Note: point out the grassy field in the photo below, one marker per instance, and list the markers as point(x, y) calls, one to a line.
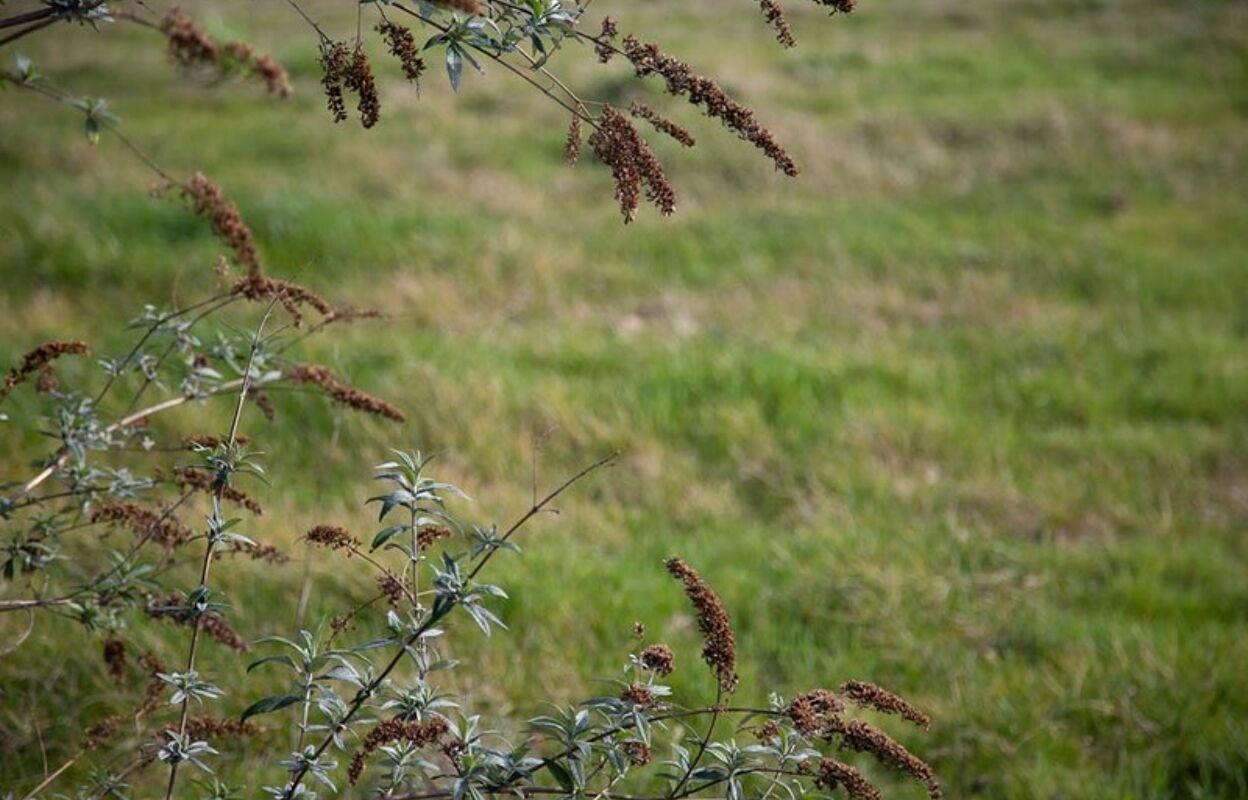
point(962, 410)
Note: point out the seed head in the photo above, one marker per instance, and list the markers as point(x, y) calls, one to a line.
point(618, 145)
point(431, 534)
point(861, 737)
point(391, 589)
point(341, 393)
point(648, 59)
point(257, 287)
point(659, 659)
point(163, 529)
point(198, 480)
point(419, 734)
point(209, 202)
point(603, 44)
point(868, 695)
point(403, 47)
point(332, 537)
point(661, 123)
point(39, 358)
point(813, 711)
point(359, 79)
point(834, 774)
point(774, 13)
point(720, 649)
point(334, 60)
point(572, 149)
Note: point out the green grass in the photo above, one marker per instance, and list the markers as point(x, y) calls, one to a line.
point(962, 410)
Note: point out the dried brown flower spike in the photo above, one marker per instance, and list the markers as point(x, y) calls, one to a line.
point(661, 123)
point(165, 530)
point(834, 774)
point(39, 358)
point(774, 13)
point(572, 149)
point(602, 45)
point(403, 47)
point(618, 145)
point(720, 649)
point(359, 79)
point(334, 56)
point(861, 737)
point(418, 734)
point(868, 695)
point(332, 536)
point(341, 393)
point(648, 59)
point(191, 46)
point(210, 203)
point(813, 712)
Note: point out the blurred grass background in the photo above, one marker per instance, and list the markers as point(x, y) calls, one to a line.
point(961, 410)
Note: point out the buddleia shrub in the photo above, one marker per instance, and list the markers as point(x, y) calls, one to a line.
point(130, 490)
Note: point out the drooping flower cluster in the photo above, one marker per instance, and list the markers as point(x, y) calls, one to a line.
point(402, 45)
point(661, 123)
point(835, 775)
point(38, 360)
point(861, 737)
point(868, 695)
point(812, 712)
point(334, 59)
point(603, 46)
point(343, 394)
point(333, 537)
point(648, 59)
point(720, 648)
point(210, 203)
point(359, 79)
point(198, 480)
point(258, 287)
point(572, 148)
point(774, 13)
point(164, 529)
point(344, 69)
point(618, 145)
point(191, 46)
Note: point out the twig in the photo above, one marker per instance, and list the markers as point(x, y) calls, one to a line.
point(211, 544)
point(435, 615)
